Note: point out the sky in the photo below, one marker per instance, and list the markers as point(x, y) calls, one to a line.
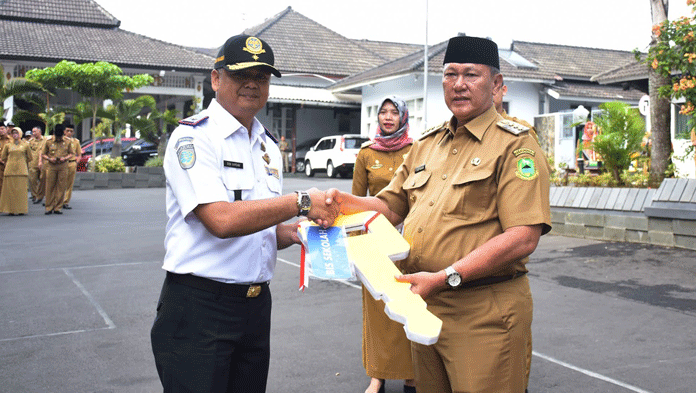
point(608, 24)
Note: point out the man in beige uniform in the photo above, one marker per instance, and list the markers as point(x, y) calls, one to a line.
point(473, 194)
point(35, 183)
point(56, 153)
point(72, 163)
point(4, 139)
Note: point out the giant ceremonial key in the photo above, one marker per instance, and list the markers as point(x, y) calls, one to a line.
point(371, 253)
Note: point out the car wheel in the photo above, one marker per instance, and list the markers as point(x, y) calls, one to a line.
point(330, 170)
point(346, 174)
point(308, 169)
point(299, 166)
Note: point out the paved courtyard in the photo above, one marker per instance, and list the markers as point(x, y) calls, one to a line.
point(78, 291)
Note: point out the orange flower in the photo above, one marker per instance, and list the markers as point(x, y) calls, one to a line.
point(687, 108)
point(690, 57)
point(657, 29)
point(655, 64)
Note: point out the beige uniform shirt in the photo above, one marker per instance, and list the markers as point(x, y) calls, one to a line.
point(35, 145)
point(57, 149)
point(16, 158)
point(460, 187)
point(374, 169)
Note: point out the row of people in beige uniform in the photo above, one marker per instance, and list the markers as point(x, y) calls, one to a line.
point(45, 166)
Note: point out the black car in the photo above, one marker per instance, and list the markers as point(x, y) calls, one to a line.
point(138, 152)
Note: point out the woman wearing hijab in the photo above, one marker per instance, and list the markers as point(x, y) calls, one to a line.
point(16, 157)
point(386, 350)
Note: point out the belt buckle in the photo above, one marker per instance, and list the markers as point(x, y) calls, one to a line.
point(253, 291)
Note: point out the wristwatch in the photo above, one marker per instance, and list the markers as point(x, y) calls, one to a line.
point(304, 203)
point(454, 279)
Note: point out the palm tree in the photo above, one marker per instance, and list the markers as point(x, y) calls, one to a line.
point(124, 112)
point(15, 86)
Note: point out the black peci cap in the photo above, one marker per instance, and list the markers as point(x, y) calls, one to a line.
point(244, 51)
point(475, 50)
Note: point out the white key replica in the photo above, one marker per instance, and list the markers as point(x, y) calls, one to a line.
point(371, 254)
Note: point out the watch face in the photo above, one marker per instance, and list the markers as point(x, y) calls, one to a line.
point(306, 201)
point(454, 279)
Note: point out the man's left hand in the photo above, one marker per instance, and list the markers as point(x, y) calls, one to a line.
point(423, 283)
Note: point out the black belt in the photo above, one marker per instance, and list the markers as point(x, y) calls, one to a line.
point(217, 287)
point(72, 161)
point(489, 280)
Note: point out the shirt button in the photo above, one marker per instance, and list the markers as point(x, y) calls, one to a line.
point(444, 177)
point(413, 197)
point(420, 230)
point(391, 169)
point(454, 151)
point(431, 203)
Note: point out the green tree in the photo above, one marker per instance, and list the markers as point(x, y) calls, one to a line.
point(94, 81)
point(131, 111)
point(621, 130)
point(671, 60)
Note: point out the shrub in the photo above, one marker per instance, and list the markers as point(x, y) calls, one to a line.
point(155, 162)
point(621, 133)
point(108, 164)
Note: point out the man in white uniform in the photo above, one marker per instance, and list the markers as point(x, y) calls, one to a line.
point(226, 222)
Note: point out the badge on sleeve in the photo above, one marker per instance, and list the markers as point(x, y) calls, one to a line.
point(526, 169)
point(185, 152)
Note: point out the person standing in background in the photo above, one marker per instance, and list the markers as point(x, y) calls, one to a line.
point(36, 183)
point(386, 350)
point(16, 157)
point(4, 139)
point(72, 163)
point(56, 153)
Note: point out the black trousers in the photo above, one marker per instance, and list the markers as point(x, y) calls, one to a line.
point(207, 342)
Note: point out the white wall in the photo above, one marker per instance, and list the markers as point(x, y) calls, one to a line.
point(523, 99)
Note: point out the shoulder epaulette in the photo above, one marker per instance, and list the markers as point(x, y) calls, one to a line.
point(194, 120)
point(512, 127)
point(433, 131)
point(268, 134)
point(366, 144)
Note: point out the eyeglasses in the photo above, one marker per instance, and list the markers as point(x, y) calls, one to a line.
point(257, 76)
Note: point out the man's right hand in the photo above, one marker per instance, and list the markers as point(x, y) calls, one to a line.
point(322, 213)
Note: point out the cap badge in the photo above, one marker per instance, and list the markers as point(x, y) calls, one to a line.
point(254, 46)
point(267, 158)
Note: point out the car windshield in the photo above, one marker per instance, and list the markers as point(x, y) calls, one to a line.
point(354, 143)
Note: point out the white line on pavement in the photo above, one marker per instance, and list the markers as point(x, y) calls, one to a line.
point(537, 354)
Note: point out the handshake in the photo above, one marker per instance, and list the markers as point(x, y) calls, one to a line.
point(327, 205)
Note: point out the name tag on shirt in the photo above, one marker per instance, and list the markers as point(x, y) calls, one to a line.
point(419, 169)
point(232, 164)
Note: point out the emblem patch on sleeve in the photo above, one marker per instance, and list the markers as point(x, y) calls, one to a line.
point(526, 169)
point(185, 152)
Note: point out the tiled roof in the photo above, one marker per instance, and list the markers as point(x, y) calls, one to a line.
point(389, 50)
point(436, 55)
point(77, 12)
point(631, 71)
point(55, 42)
point(570, 90)
point(571, 62)
point(308, 47)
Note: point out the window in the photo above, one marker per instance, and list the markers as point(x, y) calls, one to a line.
point(283, 121)
point(681, 125)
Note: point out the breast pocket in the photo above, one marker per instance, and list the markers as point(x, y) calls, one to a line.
point(238, 184)
point(472, 195)
point(415, 186)
point(273, 185)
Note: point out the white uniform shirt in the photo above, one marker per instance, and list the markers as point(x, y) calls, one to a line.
point(206, 163)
